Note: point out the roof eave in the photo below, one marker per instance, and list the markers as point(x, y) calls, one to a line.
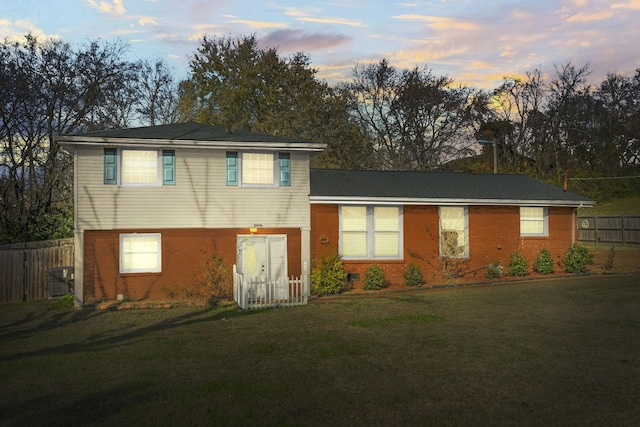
point(345, 200)
point(178, 143)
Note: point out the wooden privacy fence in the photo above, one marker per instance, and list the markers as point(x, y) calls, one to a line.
point(623, 230)
point(257, 293)
point(25, 268)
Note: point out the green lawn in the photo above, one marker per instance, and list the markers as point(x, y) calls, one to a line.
point(556, 352)
point(621, 206)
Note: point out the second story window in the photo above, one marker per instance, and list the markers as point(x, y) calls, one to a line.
point(258, 169)
point(139, 167)
point(143, 168)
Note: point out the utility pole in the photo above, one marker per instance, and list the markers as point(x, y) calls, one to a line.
point(495, 155)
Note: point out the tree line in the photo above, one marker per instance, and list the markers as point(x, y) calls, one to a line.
point(382, 118)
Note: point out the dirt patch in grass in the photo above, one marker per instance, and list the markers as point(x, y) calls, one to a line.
point(615, 259)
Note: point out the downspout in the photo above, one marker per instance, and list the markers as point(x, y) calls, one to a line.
point(574, 225)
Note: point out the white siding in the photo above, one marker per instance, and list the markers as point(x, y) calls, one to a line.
point(200, 198)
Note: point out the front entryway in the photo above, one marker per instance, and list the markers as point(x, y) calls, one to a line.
point(263, 258)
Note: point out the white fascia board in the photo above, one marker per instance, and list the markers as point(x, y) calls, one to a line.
point(177, 143)
point(444, 202)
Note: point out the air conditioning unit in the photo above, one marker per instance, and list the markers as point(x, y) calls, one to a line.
point(60, 280)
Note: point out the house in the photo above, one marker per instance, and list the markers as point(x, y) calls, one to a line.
point(153, 204)
point(437, 221)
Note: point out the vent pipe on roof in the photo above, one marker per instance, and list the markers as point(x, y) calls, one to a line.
point(229, 128)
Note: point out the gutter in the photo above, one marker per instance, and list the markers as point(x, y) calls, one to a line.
point(441, 201)
point(181, 143)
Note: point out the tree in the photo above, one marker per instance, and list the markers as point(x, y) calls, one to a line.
point(567, 125)
point(47, 89)
point(617, 118)
point(156, 93)
point(415, 119)
point(236, 83)
point(551, 121)
point(518, 106)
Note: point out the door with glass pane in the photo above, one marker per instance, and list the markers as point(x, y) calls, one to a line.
point(263, 260)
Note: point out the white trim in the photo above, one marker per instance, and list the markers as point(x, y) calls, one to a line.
point(178, 143)
point(353, 200)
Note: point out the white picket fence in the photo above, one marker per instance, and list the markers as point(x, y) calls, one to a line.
point(252, 293)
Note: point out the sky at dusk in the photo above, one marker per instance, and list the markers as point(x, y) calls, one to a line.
point(475, 42)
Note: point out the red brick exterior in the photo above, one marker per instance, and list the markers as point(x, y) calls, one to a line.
point(494, 234)
point(184, 252)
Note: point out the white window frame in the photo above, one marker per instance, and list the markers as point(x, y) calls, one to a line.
point(446, 228)
point(242, 165)
point(157, 268)
point(537, 215)
point(121, 168)
point(370, 233)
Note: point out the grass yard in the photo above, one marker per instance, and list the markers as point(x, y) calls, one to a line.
point(554, 352)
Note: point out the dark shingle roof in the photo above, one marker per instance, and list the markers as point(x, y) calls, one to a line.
point(185, 134)
point(187, 131)
point(438, 187)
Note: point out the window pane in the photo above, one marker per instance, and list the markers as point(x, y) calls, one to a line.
point(354, 244)
point(257, 168)
point(386, 244)
point(139, 167)
point(386, 219)
point(354, 218)
point(140, 261)
point(452, 218)
point(532, 213)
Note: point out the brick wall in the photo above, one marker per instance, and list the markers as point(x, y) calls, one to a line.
point(494, 234)
point(184, 252)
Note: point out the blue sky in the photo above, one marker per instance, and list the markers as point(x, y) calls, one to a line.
point(475, 42)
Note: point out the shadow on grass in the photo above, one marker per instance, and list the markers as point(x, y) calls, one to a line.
point(92, 409)
point(106, 339)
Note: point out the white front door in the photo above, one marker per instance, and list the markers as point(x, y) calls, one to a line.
point(264, 258)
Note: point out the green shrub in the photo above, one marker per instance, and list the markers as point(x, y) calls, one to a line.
point(62, 303)
point(543, 263)
point(413, 276)
point(518, 265)
point(494, 270)
point(329, 276)
point(374, 278)
point(577, 258)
